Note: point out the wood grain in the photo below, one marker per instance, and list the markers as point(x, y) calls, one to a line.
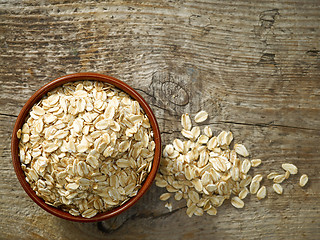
point(253, 65)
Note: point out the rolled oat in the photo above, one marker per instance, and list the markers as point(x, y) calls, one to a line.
point(86, 147)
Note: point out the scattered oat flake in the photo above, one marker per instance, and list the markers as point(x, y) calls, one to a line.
point(201, 116)
point(241, 150)
point(243, 194)
point(279, 178)
point(272, 175)
point(237, 202)
point(212, 211)
point(257, 178)
point(161, 183)
point(191, 210)
point(203, 139)
point(207, 131)
point(165, 196)
point(290, 167)
point(254, 186)
point(186, 122)
point(194, 196)
point(221, 138)
point(287, 175)
point(255, 162)
point(303, 180)
point(198, 211)
point(196, 132)
point(178, 196)
point(245, 166)
point(277, 188)
point(169, 149)
point(178, 145)
point(228, 138)
point(262, 193)
point(245, 182)
point(187, 134)
point(169, 206)
point(212, 143)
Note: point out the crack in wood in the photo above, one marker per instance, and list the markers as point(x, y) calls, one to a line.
point(8, 115)
point(267, 18)
point(145, 92)
point(271, 124)
point(168, 213)
point(114, 226)
point(265, 125)
point(168, 119)
point(162, 108)
point(267, 58)
point(169, 132)
point(153, 216)
point(313, 52)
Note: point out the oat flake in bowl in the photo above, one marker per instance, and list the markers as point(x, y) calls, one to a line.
point(86, 147)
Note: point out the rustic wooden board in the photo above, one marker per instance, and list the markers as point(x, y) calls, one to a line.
point(253, 65)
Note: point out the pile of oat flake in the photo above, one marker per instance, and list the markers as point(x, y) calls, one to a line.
point(204, 170)
point(86, 147)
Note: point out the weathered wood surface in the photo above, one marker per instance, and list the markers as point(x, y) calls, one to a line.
point(253, 65)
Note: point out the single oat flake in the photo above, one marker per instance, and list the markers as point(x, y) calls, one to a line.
point(237, 202)
point(303, 180)
point(186, 122)
point(169, 206)
point(201, 116)
point(255, 162)
point(254, 186)
point(243, 194)
point(290, 168)
point(279, 178)
point(277, 188)
point(262, 193)
point(272, 175)
point(241, 150)
point(257, 178)
point(165, 196)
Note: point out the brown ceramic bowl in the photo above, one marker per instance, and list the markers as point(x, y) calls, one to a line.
point(36, 98)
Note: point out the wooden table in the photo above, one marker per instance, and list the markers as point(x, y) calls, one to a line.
point(254, 66)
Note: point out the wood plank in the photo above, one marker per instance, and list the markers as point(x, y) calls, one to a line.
point(253, 65)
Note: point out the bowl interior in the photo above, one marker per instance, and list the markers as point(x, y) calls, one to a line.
point(37, 96)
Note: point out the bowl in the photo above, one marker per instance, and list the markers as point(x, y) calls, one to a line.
point(36, 97)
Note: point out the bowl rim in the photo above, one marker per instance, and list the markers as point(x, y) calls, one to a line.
point(39, 94)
